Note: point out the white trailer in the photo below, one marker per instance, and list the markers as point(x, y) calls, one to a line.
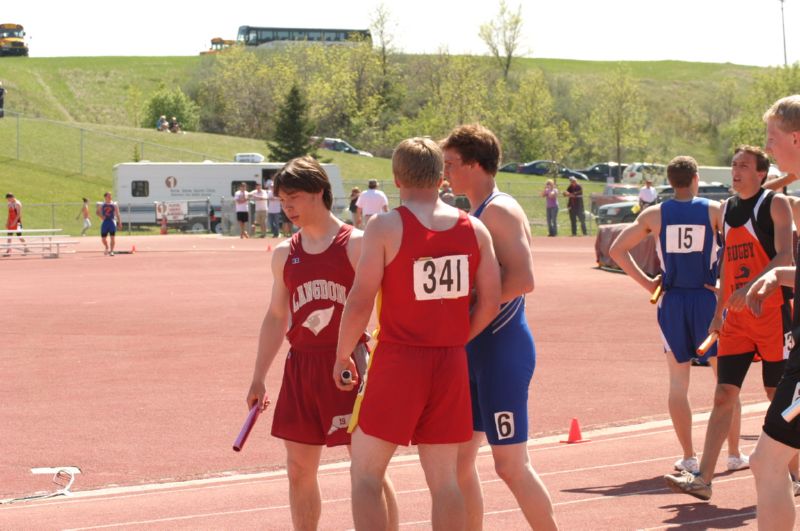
point(718, 174)
point(204, 186)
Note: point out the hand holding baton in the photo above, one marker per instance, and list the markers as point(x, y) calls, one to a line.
point(656, 294)
point(707, 343)
point(249, 422)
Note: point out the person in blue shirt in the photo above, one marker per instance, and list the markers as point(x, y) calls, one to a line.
point(108, 211)
point(686, 227)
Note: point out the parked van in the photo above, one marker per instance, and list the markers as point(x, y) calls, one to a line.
point(204, 186)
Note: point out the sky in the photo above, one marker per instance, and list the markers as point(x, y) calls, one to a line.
point(735, 31)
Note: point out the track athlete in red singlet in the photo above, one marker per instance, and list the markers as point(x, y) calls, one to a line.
point(313, 273)
point(14, 222)
point(757, 227)
point(425, 257)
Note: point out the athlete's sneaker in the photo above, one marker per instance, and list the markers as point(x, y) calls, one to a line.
point(688, 483)
point(690, 465)
point(111, 253)
point(738, 463)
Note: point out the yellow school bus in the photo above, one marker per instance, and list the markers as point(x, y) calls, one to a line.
point(12, 40)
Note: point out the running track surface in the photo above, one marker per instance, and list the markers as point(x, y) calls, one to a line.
point(135, 367)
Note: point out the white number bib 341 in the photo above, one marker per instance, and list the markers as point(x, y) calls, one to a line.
point(685, 238)
point(446, 277)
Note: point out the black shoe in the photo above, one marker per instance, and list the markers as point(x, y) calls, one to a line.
point(697, 362)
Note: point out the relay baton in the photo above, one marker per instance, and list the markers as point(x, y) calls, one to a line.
point(792, 411)
point(656, 294)
point(252, 417)
point(347, 377)
point(707, 343)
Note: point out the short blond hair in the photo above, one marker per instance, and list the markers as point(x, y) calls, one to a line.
point(787, 112)
point(418, 163)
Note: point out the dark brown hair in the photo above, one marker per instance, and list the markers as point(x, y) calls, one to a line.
point(304, 174)
point(762, 160)
point(681, 170)
point(475, 144)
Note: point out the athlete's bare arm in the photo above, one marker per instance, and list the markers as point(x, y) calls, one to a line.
point(779, 182)
point(487, 283)
point(273, 327)
point(511, 237)
point(647, 223)
point(116, 213)
point(781, 214)
point(766, 284)
point(369, 274)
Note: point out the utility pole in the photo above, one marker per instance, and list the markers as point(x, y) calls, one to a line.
point(783, 25)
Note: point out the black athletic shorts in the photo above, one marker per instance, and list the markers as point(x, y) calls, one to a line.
point(243, 217)
point(732, 369)
point(775, 426)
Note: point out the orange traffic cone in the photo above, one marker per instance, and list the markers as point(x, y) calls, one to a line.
point(133, 250)
point(575, 433)
point(269, 248)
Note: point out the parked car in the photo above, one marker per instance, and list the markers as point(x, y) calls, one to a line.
point(549, 167)
point(509, 167)
point(625, 211)
point(603, 170)
point(636, 172)
point(337, 144)
point(716, 191)
point(614, 193)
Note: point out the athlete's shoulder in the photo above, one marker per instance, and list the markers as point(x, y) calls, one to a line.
point(502, 208)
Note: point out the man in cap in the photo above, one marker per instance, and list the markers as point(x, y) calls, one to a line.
point(575, 206)
point(647, 194)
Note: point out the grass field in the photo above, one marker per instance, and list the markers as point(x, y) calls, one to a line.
point(81, 118)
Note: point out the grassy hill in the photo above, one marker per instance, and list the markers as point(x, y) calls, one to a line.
point(81, 117)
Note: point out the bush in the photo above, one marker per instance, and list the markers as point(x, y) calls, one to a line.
point(171, 103)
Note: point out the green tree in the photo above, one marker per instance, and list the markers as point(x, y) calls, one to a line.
point(617, 121)
point(171, 103)
point(775, 83)
point(293, 129)
point(502, 35)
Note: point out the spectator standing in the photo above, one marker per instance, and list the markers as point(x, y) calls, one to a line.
point(242, 201)
point(575, 206)
point(353, 208)
point(371, 201)
point(647, 194)
point(273, 210)
point(550, 194)
point(2, 96)
point(260, 197)
point(14, 222)
point(84, 213)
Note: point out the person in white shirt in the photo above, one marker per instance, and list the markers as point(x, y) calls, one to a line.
point(242, 209)
point(647, 194)
point(273, 211)
point(371, 201)
point(260, 197)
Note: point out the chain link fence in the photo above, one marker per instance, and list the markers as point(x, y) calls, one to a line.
point(75, 149)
